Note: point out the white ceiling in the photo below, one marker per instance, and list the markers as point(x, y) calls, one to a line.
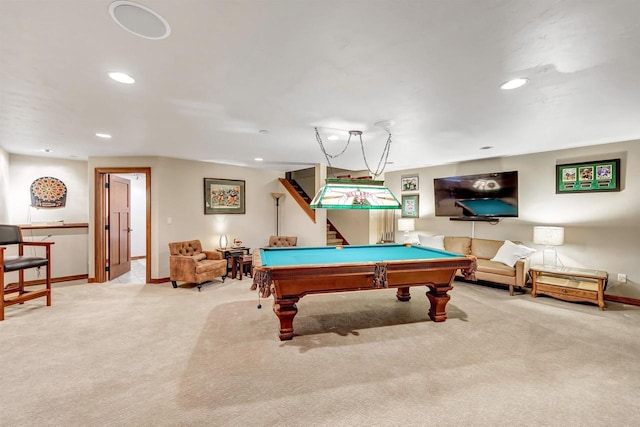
point(232, 68)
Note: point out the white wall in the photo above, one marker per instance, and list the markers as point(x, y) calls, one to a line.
point(295, 222)
point(4, 186)
point(602, 230)
point(177, 192)
point(68, 253)
point(24, 170)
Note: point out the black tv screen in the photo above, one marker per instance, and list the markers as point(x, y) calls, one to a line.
point(489, 195)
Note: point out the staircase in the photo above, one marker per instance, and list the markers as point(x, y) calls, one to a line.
point(333, 235)
point(299, 190)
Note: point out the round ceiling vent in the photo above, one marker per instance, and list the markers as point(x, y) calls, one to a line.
point(139, 20)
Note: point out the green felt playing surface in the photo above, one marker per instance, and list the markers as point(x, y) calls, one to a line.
point(321, 255)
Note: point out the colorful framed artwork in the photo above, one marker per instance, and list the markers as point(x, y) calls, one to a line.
point(588, 177)
point(224, 196)
point(409, 183)
point(411, 206)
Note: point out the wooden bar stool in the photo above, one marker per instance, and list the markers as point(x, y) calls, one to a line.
point(242, 264)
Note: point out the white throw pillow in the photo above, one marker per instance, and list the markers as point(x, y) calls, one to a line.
point(435, 242)
point(509, 253)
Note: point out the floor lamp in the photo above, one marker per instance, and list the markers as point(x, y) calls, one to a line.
point(550, 237)
point(277, 196)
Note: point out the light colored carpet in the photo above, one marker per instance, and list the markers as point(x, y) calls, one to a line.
point(143, 355)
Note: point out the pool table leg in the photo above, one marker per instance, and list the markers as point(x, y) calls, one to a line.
point(439, 298)
point(403, 294)
point(286, 310)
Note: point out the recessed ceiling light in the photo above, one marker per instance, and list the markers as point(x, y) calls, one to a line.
point(139, 20)
point(384, 124)
point(333, 137)
point(263, 131)
point(47, 150)
point(258, 159)
point(122, 77)
point(487, 147)
point(514, 83)
point(103, 135)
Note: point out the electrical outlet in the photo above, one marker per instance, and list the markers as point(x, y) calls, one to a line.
point(622, 278)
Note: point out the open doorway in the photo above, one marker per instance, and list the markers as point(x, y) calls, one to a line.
point(110, 219)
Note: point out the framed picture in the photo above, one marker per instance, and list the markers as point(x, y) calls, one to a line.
point(224, 196)
point(409, 183)
point(588, 177)
point(410, 206)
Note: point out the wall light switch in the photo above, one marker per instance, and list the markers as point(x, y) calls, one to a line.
point(622, 278)
point(169, 220)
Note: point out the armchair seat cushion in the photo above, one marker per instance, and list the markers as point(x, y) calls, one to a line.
point(210, 265)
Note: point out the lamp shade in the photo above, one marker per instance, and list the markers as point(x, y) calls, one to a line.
point(224, 241)
point(406, 224)
point(550, 236)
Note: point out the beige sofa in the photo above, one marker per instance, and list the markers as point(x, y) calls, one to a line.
point(490, 271)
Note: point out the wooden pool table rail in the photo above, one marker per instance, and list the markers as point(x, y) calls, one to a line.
point(290, 283)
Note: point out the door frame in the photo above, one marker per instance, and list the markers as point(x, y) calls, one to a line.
point(100, 220)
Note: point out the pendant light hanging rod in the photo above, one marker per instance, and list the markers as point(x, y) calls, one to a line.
point(382, 163)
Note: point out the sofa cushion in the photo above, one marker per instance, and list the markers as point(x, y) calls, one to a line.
point(510, 253)
point(487, 266)
point(485, 248)
point(459, 245)
point(435, 242)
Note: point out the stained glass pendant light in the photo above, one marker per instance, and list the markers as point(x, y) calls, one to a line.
point(339, 193)
point(342, 193)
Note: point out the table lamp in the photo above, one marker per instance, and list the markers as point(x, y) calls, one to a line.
point(406, 225)
point(550, 237)
point(224, 241)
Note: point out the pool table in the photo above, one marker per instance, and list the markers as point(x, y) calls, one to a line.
point(487, 207)
point(293, 272)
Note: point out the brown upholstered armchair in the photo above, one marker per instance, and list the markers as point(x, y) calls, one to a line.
point(283, 241)
point(189, 263)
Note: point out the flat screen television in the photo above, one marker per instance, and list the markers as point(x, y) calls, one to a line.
point(477, 197)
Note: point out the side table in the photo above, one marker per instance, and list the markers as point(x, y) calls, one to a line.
point(228, 253)
point(241, 265)
point(569, 283)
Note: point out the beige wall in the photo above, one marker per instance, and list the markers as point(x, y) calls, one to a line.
point(23, 170)
point(177, 193)
point(68, 253)
point(4, 186)
point(602, 230)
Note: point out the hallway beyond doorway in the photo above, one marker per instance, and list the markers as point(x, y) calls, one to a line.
point(137, 274)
